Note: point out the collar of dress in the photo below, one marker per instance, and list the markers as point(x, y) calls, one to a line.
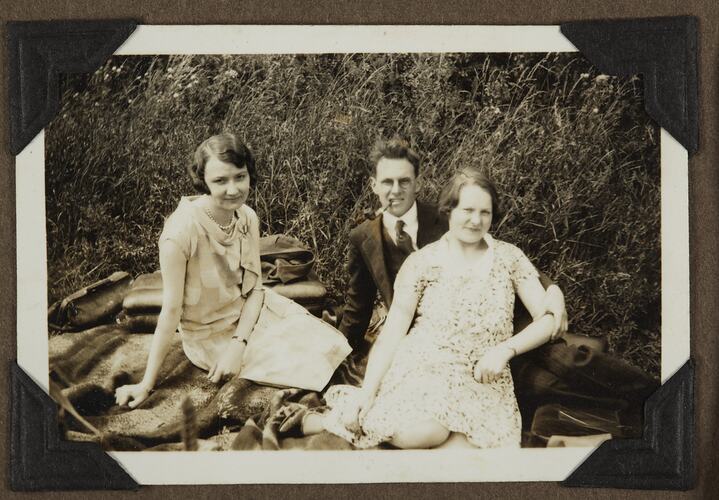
point(237, 246)
point(481, 268)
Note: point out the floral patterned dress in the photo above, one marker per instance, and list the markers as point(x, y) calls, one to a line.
point(460, 314)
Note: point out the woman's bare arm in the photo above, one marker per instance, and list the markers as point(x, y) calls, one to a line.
point(494, 360)
point(399, 319)
point(253, 304)
point(250, 313)
point(172, 265)
point(553, 303)
point(230, 363)
point(532, 295)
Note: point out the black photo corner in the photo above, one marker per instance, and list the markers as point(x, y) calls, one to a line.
point(663, 50)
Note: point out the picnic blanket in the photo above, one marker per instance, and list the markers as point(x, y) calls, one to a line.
point(571, 388)
point(186, 410)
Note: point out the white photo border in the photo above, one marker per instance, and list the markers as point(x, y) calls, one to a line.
point(357, 466)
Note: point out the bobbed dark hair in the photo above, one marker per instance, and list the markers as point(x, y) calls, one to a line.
point(225, 147)
point(395, 148)
point(471, 176)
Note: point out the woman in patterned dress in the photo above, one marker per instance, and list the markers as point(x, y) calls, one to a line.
point(212, 281)
point(438, 373)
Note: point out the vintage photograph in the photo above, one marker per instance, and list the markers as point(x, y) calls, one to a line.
point(352, 251)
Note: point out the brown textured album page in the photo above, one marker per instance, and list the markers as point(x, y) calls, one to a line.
point(703, 205)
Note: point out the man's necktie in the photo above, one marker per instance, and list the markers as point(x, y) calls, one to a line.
point(404, 242)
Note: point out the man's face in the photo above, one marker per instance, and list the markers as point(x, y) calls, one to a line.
point(395, 184)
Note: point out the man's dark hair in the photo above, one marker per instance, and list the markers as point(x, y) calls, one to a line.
point(395, 148)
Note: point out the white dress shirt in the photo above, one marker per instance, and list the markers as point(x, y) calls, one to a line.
point(410, 224)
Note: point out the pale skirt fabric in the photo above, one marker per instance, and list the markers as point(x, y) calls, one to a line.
point(288, 347)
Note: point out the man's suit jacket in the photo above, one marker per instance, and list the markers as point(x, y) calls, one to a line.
point(368, 270)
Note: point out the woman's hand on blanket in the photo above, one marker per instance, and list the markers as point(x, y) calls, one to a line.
point(356, 410)
point(229, 363)
point(491, 364)
point(132, 395)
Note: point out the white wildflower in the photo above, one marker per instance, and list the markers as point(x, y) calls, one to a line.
point(601, 78)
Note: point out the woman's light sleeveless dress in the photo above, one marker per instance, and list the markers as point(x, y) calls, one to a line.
point(222, 269)
point(460, 314)
point(287, 347)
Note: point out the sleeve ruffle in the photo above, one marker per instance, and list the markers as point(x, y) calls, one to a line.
point(520, 268)
point(250, 257)
point(179, 229)
point(411, 279)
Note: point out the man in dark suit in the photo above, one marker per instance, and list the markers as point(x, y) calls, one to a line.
point(379, 245)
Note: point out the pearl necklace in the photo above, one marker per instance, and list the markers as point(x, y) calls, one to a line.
point(225, 229)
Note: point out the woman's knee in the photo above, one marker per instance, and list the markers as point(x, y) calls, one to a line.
point(427, 434)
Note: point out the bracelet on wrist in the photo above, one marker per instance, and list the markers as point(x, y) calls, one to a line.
point(237, 337)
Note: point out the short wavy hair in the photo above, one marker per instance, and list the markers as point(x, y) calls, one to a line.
point(225, 147)
point(449, 198)
point(395, 148)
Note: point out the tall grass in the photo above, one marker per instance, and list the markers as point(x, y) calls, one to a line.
point(572, 151)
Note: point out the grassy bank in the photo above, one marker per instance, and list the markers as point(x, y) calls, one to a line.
point(572, 151)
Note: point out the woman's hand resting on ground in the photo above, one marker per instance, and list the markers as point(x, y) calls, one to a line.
point(229, 363)
point(492, 363)
point(132, 395)
point(356, 410)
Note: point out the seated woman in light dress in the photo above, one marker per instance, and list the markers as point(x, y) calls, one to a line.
point(438, 374)
point(212, 283)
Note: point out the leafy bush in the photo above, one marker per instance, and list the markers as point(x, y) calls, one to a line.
point(573, 152)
